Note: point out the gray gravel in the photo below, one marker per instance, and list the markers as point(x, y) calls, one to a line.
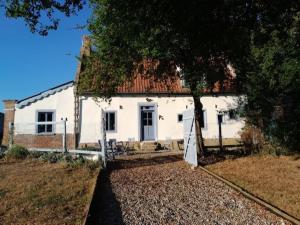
point(171, 193)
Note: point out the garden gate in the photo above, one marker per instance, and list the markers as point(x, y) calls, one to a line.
point(190, 147)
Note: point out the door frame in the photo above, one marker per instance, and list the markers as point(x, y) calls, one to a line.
point(155, 120)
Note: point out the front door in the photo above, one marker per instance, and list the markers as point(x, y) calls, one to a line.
point(147, 123)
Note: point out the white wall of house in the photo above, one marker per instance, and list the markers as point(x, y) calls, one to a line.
point(128, 116)
point(168, 108)
point(62, 103)
point(215, 105)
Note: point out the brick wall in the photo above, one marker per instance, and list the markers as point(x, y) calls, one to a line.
point(9, 116)
point(43, 141)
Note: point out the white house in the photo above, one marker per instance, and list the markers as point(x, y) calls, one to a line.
point(145, 111)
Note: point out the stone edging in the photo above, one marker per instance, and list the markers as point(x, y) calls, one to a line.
point(258, 200)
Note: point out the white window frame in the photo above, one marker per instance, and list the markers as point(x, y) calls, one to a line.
point(46, 122)
point(116, 123)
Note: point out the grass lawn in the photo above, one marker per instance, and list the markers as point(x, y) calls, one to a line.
point(37, 192)
point(274, 179)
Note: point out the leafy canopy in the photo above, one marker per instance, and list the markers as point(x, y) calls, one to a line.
point(200, 37)
point(271, 76)
point(36, 11)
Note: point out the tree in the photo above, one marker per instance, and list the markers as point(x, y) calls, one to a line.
point(270, 75)
point(41, 15)
point(200, 37)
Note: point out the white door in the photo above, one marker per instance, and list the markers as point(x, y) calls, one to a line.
point(190, 147)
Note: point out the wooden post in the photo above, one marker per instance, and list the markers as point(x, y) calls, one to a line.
point(103, 141)
point(11, 134)
point(64, 136)
point(220, 119)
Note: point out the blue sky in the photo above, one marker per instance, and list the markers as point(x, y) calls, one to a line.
point(30, 63)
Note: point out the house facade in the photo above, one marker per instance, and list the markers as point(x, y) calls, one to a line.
point(142, 112)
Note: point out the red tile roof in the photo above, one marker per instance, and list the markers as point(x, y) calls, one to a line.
point(141, 85)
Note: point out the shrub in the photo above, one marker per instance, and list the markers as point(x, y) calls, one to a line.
point(17, 152)
point(52, 157)
point(36, 155)
point(92, 165)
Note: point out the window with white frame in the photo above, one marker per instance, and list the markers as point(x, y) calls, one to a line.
point(110, 121)
point(45, 123)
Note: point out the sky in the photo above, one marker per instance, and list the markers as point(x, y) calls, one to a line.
point(30, 63)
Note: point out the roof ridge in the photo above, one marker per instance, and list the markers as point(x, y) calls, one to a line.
point(40, 95)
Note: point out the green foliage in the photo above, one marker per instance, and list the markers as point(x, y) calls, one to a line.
point(41, 16)
point(202, 38)
point(72, 161)
point(271, 79)
point(17, 152)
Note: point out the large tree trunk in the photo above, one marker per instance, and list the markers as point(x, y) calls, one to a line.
point(198, 119)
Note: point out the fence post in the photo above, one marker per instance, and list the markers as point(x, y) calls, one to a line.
point(11, 134)
point(64, 136)
point(103, 141)
point(220, 119)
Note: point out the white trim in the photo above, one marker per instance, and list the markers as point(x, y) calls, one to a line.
point(53, 123)
point(116, 123)
point(154, 120)
point(43, 95)
point(204, 119)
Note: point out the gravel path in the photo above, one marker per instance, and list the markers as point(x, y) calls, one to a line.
point(164, 190)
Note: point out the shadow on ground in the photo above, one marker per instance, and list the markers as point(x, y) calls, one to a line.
point(214, 156)
point(143, 161)
point(105, 208)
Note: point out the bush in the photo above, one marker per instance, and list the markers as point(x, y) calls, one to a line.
point(17, 152)
point(52, 157)
point(36, 155)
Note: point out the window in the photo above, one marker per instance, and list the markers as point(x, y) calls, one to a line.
point(202, 122)
point(232, 114)
point(147, 118)
point(110, 121)
point(45, 122)
point(179, 118)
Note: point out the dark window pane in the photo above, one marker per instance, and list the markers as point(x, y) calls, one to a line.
point(149, 122)
point(179, 117)
point(50, 117)
point(112, 121)
point(41, 117)
point(142, 115)
point(232, 114)
point(106, 121)
point(49, 128)
point(41, 128)
point(202, 120)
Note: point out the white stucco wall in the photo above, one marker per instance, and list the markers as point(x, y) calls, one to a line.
point(61, 102)
point(127, 117)
point(214, 105)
